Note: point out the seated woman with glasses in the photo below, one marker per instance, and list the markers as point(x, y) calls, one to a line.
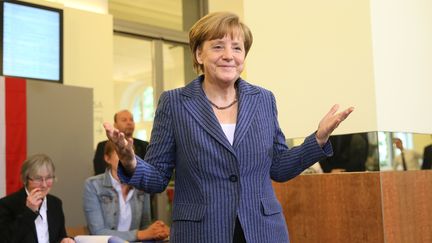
point(116, 209)
point(31, 215)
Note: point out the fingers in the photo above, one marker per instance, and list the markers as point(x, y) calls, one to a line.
point(330, 122)
point(37, 194)
point(35, 199)
point(115, 136)
point(110, 131)
point(343, 115)
point(332, 111)
point(160, 230)
point(108, 126)
point(159, 222)
point(346, 113)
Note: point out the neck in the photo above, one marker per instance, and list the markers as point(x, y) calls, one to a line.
point(219, 93)
point(114, 174)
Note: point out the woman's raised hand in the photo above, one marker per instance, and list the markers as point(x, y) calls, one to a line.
point(330, 122)
point(123, 146)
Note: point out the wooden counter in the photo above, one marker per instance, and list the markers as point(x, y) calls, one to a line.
point(374, 207)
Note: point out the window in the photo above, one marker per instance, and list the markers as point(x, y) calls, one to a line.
point(151, 54)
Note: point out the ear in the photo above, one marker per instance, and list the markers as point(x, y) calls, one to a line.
point(106, 158)
point(198, 55)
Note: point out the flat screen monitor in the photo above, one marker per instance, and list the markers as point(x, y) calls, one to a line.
point(31, 41)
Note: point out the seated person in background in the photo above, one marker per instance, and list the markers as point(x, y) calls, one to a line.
point(408, 159)
point(427, 158)
point(112, 208)
point(350, 152)
point(31, 215)
point(124, 122)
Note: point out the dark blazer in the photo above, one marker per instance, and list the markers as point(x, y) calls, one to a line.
point(17, 220)
point(427, 158)
point(99, 164)
point(350, 152)
point(215, 182)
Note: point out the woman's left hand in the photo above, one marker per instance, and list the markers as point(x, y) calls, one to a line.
point(330, 122)
point(67, 240)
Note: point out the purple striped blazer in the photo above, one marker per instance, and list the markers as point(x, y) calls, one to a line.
point(215, 182)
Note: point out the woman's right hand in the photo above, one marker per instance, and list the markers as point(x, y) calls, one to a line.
point(156, 231)
point(123, 146)
point(34, 199)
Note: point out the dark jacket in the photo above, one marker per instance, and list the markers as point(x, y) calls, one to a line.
point(17, 220)
point(350, 152)
point(427, 158)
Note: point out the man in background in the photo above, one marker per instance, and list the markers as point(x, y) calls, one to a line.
point(124, 122)
point(427, 158)
point(350, 152)
point(408, 159)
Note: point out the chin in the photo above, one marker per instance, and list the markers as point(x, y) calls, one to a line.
point(230, 78)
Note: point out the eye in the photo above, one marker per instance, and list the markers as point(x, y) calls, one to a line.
point(37, 179)
point(217, 47)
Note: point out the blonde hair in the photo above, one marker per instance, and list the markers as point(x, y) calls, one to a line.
point(33, 164)
point(214, 26)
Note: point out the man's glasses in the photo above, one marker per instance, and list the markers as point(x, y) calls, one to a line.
point(40, 180)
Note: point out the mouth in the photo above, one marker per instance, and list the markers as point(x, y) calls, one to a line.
point(227, 68)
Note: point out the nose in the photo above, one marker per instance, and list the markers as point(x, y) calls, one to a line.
point(43, 182)
point(227, 54)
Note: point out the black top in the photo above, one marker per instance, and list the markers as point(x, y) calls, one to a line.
point(427, 158)
point(17, 220)
point(99, 164)
point(350, 152)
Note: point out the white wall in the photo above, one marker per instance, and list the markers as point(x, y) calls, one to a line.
point(88, 61)
point(88, 54)
point(235, 6)
point(402, 44)
point(313, 54)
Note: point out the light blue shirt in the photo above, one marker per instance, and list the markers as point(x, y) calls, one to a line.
point(102, 208)
point(125, 216)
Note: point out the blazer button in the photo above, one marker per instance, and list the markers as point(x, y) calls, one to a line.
point(233, 178)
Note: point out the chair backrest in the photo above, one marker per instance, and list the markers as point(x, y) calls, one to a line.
point(78, 230)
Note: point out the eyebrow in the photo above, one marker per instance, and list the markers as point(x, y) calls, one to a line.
point(219, 41)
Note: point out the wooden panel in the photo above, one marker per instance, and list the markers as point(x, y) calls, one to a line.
point(333, 208)
point(407, 198)
point(74, 231)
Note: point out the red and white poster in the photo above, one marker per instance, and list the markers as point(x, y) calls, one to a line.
point(13, 132)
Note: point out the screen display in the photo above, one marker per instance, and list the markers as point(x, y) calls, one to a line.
point(32, 41)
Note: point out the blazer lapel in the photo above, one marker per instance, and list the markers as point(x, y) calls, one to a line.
point(198, 106)
point(22, 199)
point(52, 222)
point(248, 100)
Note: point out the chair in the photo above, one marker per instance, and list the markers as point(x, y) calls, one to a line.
point(78, 230)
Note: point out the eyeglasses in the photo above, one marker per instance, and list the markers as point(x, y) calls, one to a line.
point(40, 180)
